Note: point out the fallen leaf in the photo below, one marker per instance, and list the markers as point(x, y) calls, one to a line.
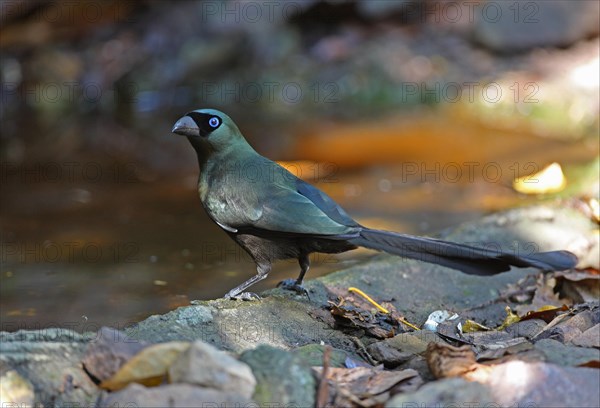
point(500, 349)
point(549, 180)
point(545, 313)
point(149, 367)
point(377, 325)
point(581, 287)
point(365, 387)
point(445, 360)
point(470, 326)
point(511, 318)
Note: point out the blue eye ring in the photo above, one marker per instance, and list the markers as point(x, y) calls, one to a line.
point(214, 122)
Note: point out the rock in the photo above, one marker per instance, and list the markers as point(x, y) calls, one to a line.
point(402, 347)
point(419, 364)
point(108, 352)
point(517, 26)
point(512, 384)
point(558, 353)
point(277, 321)
point(15, 390)
point(526, 328)
point(565, 328)
point(517, 347)
point(50, 360)
point(387, 354)
point(312, 354)
point(584, 320)
point(204, 365)
point(281, 376)
point(522, 384)
point(482, 339)
point(445, 393)
point(173, 395)
point(589, 338)
point(561, 333)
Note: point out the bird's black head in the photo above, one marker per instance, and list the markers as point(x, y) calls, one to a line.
point(210, 131)
point(198, 123)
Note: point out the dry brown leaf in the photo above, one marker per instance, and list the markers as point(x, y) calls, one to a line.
point(149, 367)
point(378, 325)
point(365, 387)
point(545, 313)
point(579, 286)
point(543, 296)
point(591, 364)
point(445, 360)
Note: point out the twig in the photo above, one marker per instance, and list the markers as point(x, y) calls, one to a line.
point(323, 390)
point(363, 350)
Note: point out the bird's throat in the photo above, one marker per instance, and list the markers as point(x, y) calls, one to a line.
point(203, 150)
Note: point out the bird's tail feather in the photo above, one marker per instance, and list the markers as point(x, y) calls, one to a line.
point(468, 259)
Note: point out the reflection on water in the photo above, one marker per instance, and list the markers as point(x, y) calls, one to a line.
point(80, 254)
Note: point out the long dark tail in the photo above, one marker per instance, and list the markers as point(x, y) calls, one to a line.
point(465, 258)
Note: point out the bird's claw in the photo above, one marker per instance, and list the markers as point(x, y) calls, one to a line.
point(247, 296)
point(292, 284)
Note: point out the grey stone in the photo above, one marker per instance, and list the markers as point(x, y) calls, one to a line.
point(312, 354)
point(402, 347)
point(50, 360)
point(561, 333)
point(558, 353)
point(281, 376)
point(544, 385)
point(444, 393)
point(173, 395)
point(204, 365)
point(516, 26)
point(388, 355)
point(589, 338)
point(109, 351)
point(526, 328)
point(279, 321)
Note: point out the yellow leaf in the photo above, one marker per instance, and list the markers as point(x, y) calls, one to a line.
point(149, 367)
point(472, 326)
point(511, 318)
point(595, 207)
point(550, 180)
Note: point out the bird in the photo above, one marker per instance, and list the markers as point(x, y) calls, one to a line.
point(274, 215)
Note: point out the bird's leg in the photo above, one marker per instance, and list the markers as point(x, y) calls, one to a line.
point(304, 262)
point(296, 285)
point(262, 270)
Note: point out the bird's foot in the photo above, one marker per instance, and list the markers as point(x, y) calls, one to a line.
point(293, 285)
point(247, 296)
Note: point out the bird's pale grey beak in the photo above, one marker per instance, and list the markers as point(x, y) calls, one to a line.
point(186, 126)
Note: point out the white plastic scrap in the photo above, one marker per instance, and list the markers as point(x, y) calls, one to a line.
point(437, 317)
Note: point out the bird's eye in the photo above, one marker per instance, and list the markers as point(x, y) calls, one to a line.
point(213, 122)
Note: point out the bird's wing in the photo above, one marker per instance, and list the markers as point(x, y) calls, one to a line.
point(289, 211)
point(288, 205)
point(325, 203)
